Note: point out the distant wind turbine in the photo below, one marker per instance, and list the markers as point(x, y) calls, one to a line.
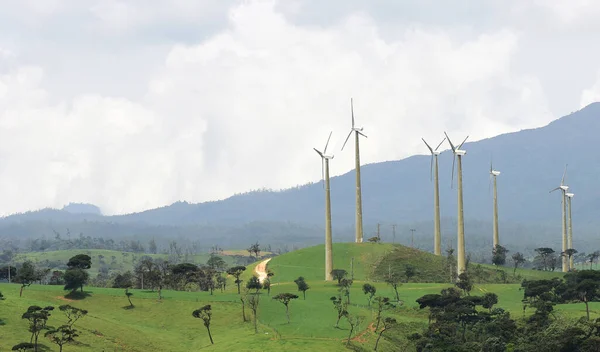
point(357, 131)
point(328, 241)
point(494, 174)
point(563, 188)
point(437, 238)
point(460, 245)
point(570, 239)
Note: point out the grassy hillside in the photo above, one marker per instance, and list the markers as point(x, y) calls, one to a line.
point(115, 260)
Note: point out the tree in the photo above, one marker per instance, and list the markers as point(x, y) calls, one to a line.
point(410, 271)
point(76, 276)
point(374, 239)
point(37, 317)
point(128, 295)
point(465, 283)
point(73, 314)
point(61, 335)
point(387, 323)
point(205, 314)
point(302, 285)
point(236, 271)
point(592, 257)
point(345, 288)
point(369, 290)
point(545, 254)
point(450, 264)
point(254, 284)
point(499, 255)
point(286, 298)
point(267, 282)
point(354, 321)
point(7, 272)
point(80, 261)
point(583, 286)
point(254, 249)
point(152, 246)
point(123, 280)
point(215, 262)
point(222, 283)
point(339, 274)
point(341, 308)
point(23, 346)
point(570, 253)
point(395, 281)
point(489, 300)
point(518, 259)
point(244, 300)
point(253, 301)
point(25, 275)
point(383, 303)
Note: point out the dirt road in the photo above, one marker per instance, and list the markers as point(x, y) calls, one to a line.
point(261, 270)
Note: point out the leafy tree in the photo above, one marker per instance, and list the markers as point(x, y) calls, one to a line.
point(128, 295)
point(369, 290)
point(465, 283)
point(80, 261)
point(383, 303)
point(215, 262)
point(76, 276)
point(354, 321)
point(57, 278)
point(236, 271)
point(339, 274)
point(302, 285)
point(410, 271)
point(518, 259)
point(254, 249)
point(23, 346)
point(61, 335)
point(345, 288)
point(267, 282)
point(545, 254)
point(123, 280)
point(570, 253)
point(489, 300)
point(387, 324)
point(37, 317)
point(7, 271)
point(25, 275)
point(254, 284)
point(450, 264)
point(222, 282)
point(499, 255)
point(374, 239)
point(592, 257)
point(286, 298)
point(73, 314)
point(253, 302)
point(205, 314)
point(341, 308)
point(244, 300)
point(583, 286)
point(395, 281)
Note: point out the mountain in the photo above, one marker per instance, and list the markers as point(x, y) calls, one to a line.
point(82, 208)
point(531, 161)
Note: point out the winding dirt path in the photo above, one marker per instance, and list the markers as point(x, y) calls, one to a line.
point(261, 270)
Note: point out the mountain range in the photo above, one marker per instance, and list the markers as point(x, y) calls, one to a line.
point(531, 162)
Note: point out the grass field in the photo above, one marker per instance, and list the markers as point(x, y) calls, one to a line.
point(168, 325)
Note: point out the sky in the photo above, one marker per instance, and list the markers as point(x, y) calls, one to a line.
point(132, 105)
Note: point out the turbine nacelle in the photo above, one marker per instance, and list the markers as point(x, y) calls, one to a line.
point(495, 172)
point(564, 188)
point(570, 195)
point(460, 152)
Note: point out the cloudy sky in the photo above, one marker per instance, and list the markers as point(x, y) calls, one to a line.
point(134, 104)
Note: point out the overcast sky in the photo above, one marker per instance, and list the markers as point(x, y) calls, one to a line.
point(135, 104)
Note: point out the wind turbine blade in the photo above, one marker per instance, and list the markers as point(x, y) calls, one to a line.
point(557, 188)
point(362, 134)
point(431, 150)
point(452, 180)
point(318, 152)
point(562, 181)
point(326, 144)
point(449, 141)
point(347, 139)
point(463, 142)
point(352, 111)
point(439, 145)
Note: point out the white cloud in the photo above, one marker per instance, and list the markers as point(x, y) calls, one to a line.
point(244, 108)
point(592, 94)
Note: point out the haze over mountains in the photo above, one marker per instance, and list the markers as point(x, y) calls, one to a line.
point(531, 161)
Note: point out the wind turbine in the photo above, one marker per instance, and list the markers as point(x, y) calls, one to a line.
point(328, 241)
point(460, 243)
point(494, 174)
point(563, 188)
point(357, 131)
point(437, 239)
point(570, 239)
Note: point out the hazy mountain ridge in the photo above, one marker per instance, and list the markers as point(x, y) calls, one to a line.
point(531, 162)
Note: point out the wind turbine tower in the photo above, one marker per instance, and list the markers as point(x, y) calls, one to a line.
point(328, 241)
point(357, 131)
point(460, 243)
point(564, 188)
point(437, 236)
point(570, 239)
point(494, 174)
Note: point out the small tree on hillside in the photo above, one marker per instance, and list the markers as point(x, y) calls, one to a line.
point(354, 321)
point(253, 301)
point(128, 295)
point(26, 275)
point(569, 253)
point(410, 271)
point(341, 308)
point(302, 285)
point(345, 288)
point(216, 263)
point(369, 290)
point(236, 271)
point(395, 281)
point(244, 300)
point(489, 300)
point(205, 314)
point(383, 303)
point(61, 335)
point(545, 254)
point(465, 283)
point(254, 284)
point(518, 259)
point(73, 314)
point(37, 317)
point(76, 275)
point(387, 324)
point(339, 274)
point(374, 239)
point(221, 282)
point(592, 257)
point(450, 264)
point(583, 286)
point(499, 255)
point(286, 298)
point(254, 249)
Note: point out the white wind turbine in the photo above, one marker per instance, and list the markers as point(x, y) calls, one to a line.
point(437, 239)
point(570, 239)
point(460, 252)
point(328, 240)
point(563, 188)
point(357, 131)
point(494, 174)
